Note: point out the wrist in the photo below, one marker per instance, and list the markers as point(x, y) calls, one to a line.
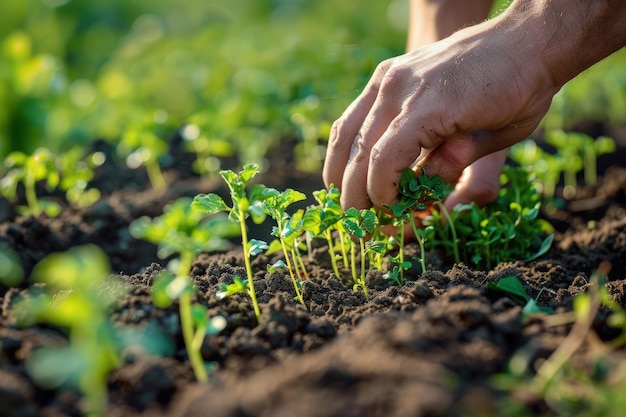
point(566, 36)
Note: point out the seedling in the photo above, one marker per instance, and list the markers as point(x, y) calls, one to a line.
point(322, 219)
point(287, 230)
point(513, 287)
point(76, 171)
point(141, 147)
point(244, 205)
point(74, 300)
point(416, 193)
point(68, 172)
point(30, 170)
point(358, 224)
point(508, 229)
point(184, 232)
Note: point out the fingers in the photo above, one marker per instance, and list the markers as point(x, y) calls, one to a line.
point(480, 182)
point(345, 129)
point(399, 147)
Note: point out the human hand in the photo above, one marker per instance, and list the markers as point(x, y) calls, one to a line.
point(441, 107)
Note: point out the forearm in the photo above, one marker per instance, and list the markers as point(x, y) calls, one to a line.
point(568, 35)
point(432, 20)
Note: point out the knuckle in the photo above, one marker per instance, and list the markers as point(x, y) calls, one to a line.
point(338, 132)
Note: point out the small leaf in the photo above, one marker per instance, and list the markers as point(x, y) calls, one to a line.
point(160, 296)
point(257, 247)
point(209, 204)
point(280, 264)
point(545, 247)
point(513, 287)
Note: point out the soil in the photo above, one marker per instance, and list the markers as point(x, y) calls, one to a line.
point(431, 347)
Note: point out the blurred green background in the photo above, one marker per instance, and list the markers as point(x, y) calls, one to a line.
point(243, 73)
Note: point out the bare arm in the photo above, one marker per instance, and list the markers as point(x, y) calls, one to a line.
point(432, 20)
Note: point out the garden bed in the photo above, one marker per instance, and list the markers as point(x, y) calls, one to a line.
point(442, 344)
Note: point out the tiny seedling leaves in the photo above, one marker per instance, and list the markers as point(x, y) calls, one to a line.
point(513, 287)
point(279, 264)
point(545, 247)
point(257, 247)
point(237, 286)
point(209, 204)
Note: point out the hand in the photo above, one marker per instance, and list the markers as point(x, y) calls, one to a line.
point(442, 107)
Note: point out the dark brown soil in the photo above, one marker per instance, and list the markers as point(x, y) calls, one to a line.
point(431, 347)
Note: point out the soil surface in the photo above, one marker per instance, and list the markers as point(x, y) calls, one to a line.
point(436, 346)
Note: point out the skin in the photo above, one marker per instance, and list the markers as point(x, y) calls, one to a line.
point(429, 22)
point(445, 105)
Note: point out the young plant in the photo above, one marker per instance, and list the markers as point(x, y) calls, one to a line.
point(322, 219)
point(513, 287)
point(69, 172)
point(76, 171)
point(184, 232)
point(358, 224)
point(244, 205)
point(30, 170)
point(416, 194)
point(73, 299)
point(142, 147)
point(508, 229)
point(287, 231)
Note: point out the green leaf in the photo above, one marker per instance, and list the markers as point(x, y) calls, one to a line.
point(513, 287)
point(280, 264)
point(160, 296)
point(257, 247)
point(209, 204)
point(238, 286)
point(545, 247)
point(11, 271)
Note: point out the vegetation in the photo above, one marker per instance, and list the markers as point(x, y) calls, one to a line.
point(184, 233)
point(230, 80)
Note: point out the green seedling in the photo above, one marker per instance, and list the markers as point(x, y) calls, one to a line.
point(76, 172)
point(513, 287)
point(184, 232)
point(69, 172)
point(416, 193)
point(244, 205)
point(74, 299)
point(589, 149)
point(142, 147)
point(358, 224)
point(323, 219)
point(508, 229)
point(30, 170)
point(546, 167)
point(287, 231)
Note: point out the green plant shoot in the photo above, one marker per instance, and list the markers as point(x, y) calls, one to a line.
point(184, 232)
point(286, 230)
point(358, 224)
point(244, 205)
point(74, 300)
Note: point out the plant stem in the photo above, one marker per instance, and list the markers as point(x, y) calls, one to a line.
point(31, 195)
point(420, 241)
point(290, 268)
point(455, 239)
point(186, 322)
point(246, 257)
point(155, 175)
point(362, 279)
point(331, 251)
point(401, 251)
point(344, 253)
